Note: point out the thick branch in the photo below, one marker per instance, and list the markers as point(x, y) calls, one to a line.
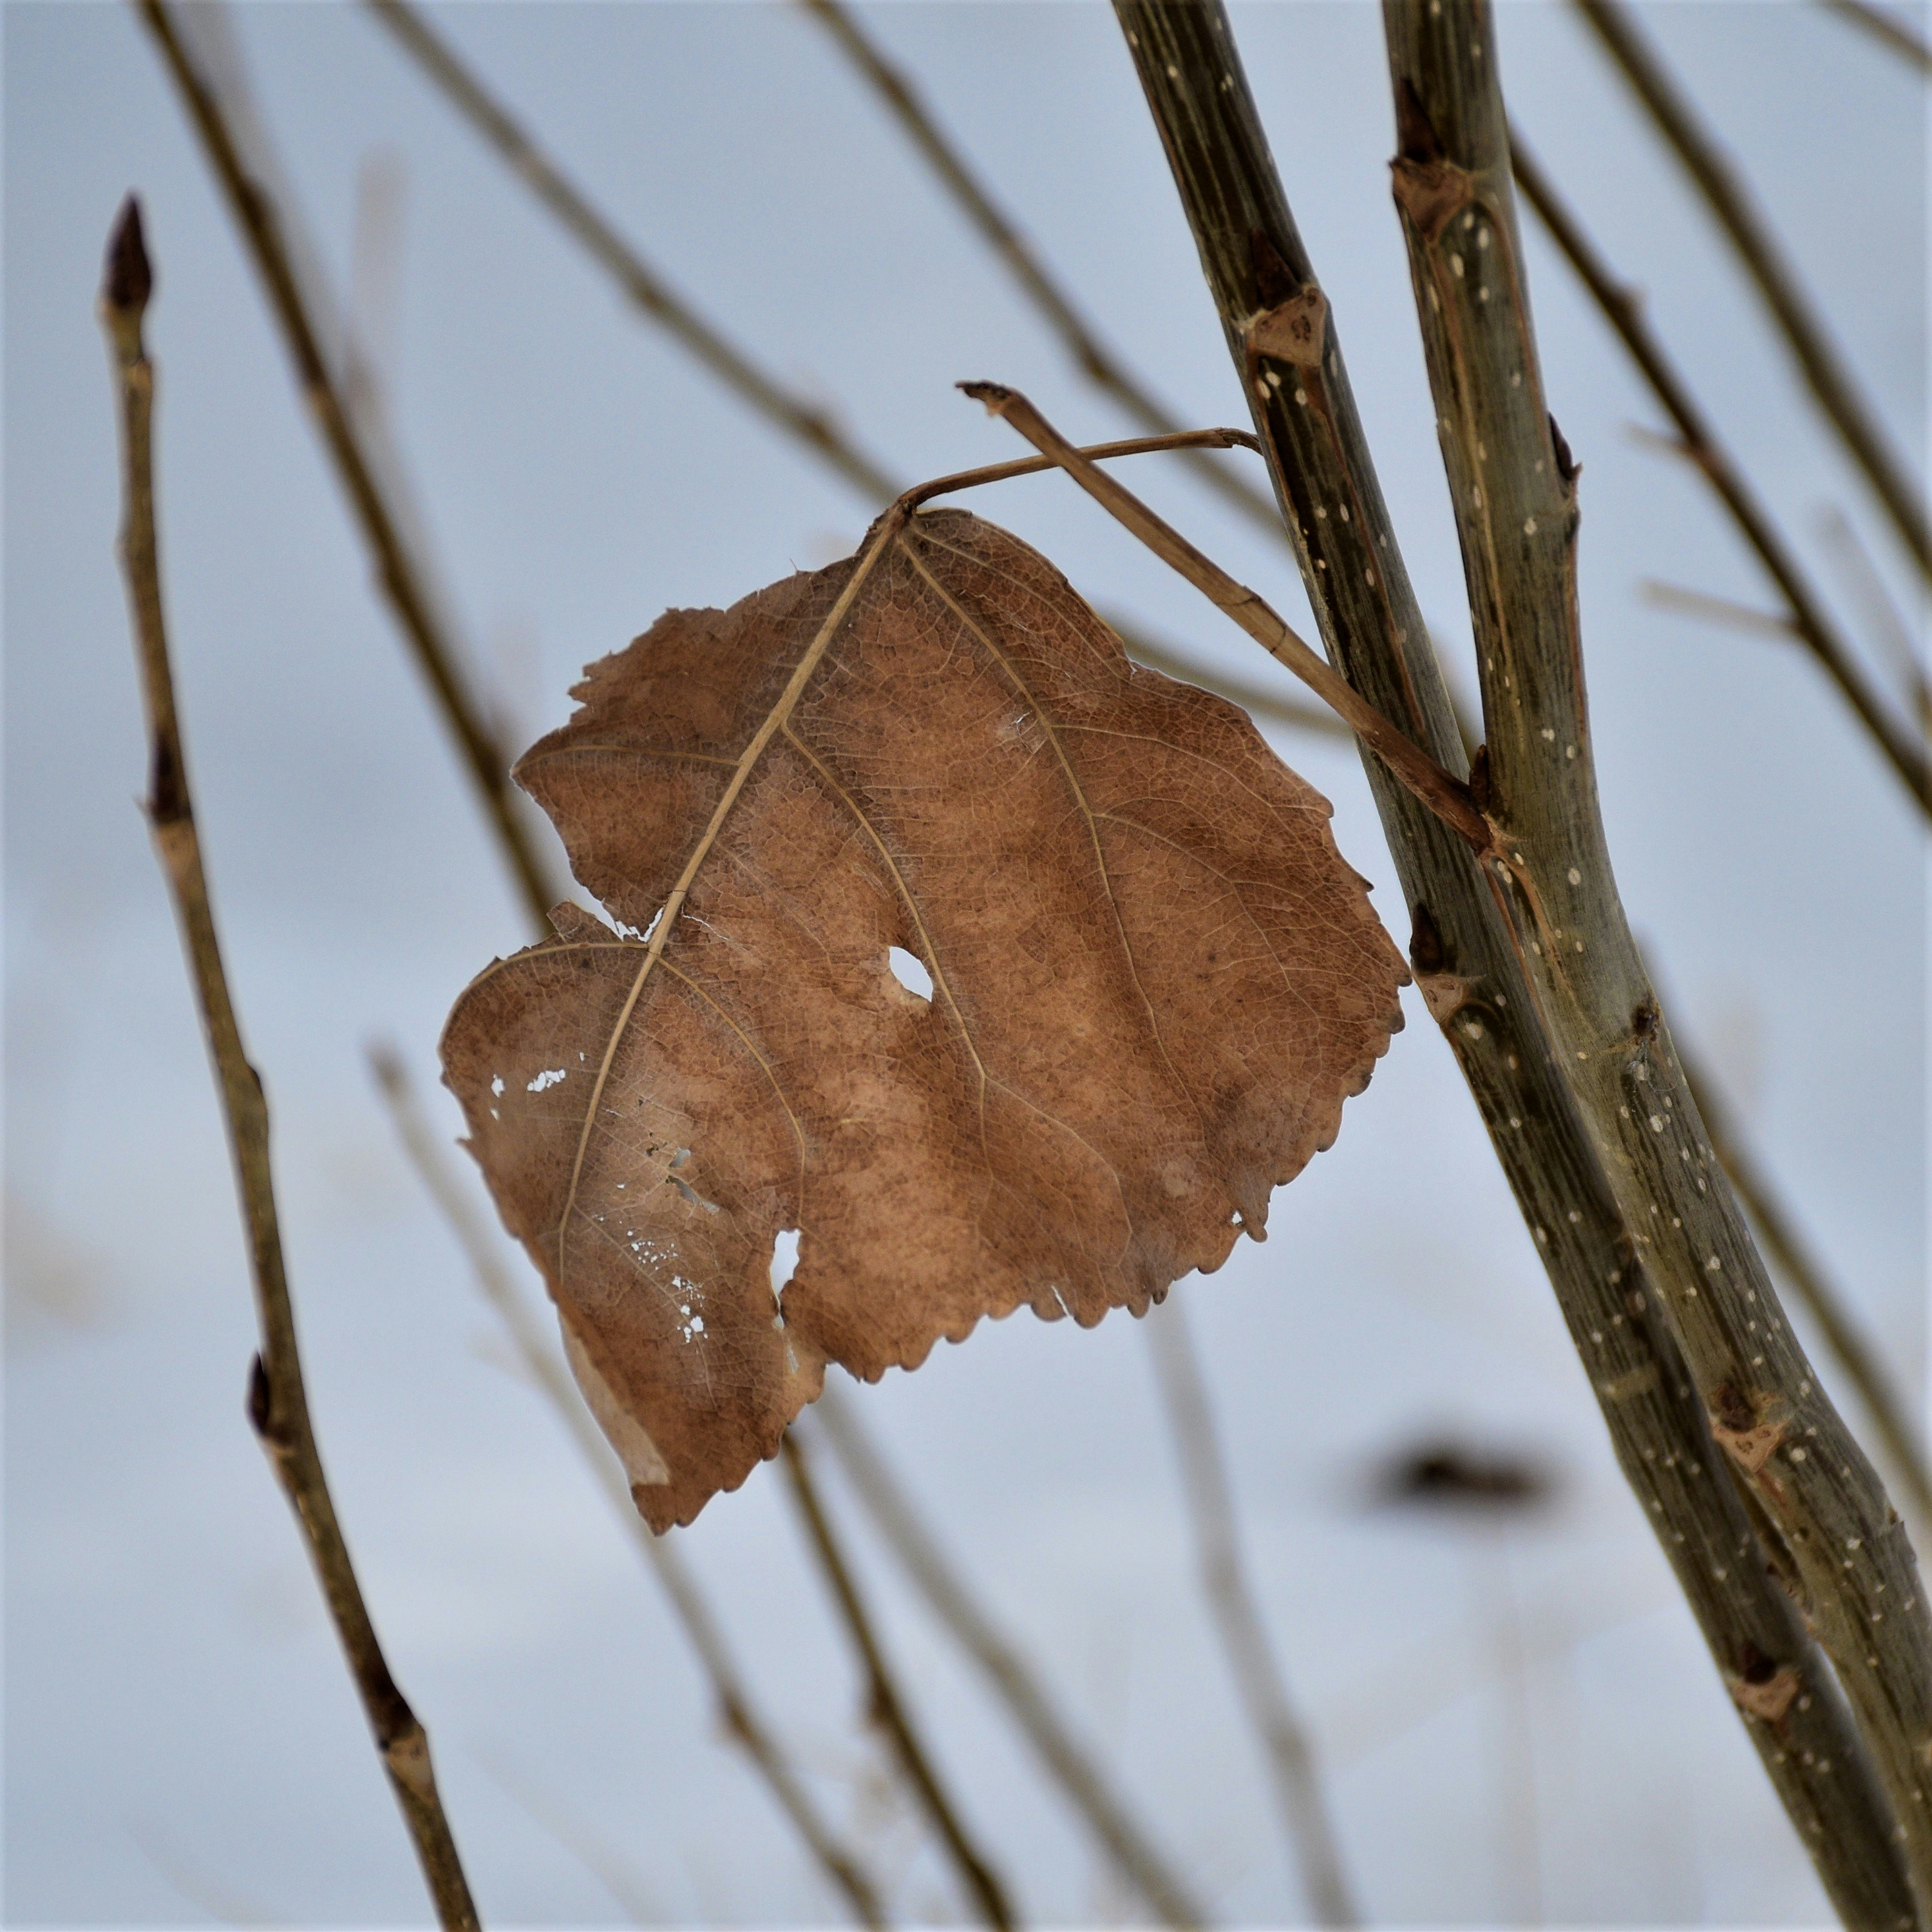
point(399, 572)
point(1730, 201)
point(278, 1399)
point(1818, 1500)
point(1277, 322)
point(535, 1350)
point(888, 1711)
point(1810, 622)
point(1258, 1677)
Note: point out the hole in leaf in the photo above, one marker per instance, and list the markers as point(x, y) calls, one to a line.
point(784, 1261)
point(910, 974)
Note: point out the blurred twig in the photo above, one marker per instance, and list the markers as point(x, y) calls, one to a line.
point(1624, 313)
point(545, 1366)
point(1724, 610)
point(1042, 288)
point(219, 114)
point(950, 1599)
point(1291, 1758)
point(278, 1398)
point(1881, 615)
point(887, 1710)
point(1886, 27)
point(645, 287)
point(1812, 1283)
point(1778, 283)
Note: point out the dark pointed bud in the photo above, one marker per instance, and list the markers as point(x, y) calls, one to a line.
point(1415, 135)
point(259, 1398)
point(1275, 281)
point(129, 279)
point(1426, 952)
point(1568, 468)
point(1479, 778)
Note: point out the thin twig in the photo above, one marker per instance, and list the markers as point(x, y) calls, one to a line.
point(1882, 617)
point(541, 1359)
point(1447, 796)
point(1624, 313)
point(1821, 1511)
point(950, 1599)
point(278, 1399)
point(1813, 1285)
point(887, 1709)
point(1778, 283)
point(645, 287)
point(401, 574)
point(1469, 969)
point(1050, 298)
point(1886, 26)
point(1283, 1739)
point(1724, 610)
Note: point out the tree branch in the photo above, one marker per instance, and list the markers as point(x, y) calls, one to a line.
point(1258, 1677)
point(1778, 283)
point(948, 1596)
point(888, 1710)
point(1885, 27)
point(1050, 299)
point(646, 288)
point(1276, 320)
point(402, 575)
point(278, 1398)
point(1809, 621)
point(1816, 1499)
point(546, 1369)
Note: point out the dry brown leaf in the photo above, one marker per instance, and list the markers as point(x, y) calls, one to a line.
point(1154, 981)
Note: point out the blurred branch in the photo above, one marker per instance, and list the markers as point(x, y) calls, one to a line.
point(1723, 611)
point(949, 1598)
point(545, 1366)
point(1253, 698)
point(1778, 283)
point(277, 1397)
point(888, 1710)
point(1624, 313)
point(1884, 26)
point(1882, 615)
point(1813, 1286)
point(1291, 1758)
point(220, 113)
point(1023, 262)
point(643, 285)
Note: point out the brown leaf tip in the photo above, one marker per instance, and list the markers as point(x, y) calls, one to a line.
point(129, 278)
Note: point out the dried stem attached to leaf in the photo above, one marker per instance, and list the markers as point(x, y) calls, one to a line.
point(536, 1350)
point(278, 1399)
point(1469, 967)
point(1446, 796)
